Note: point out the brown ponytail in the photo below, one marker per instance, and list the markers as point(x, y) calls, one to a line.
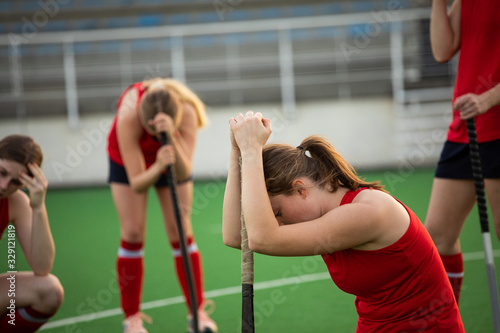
point(315, 159)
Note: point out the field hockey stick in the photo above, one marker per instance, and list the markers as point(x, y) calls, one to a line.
point(182, 240)
point(247, 278)
point(483, 219)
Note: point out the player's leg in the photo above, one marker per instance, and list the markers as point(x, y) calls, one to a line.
point(184, 196)
point(185, 199)
point(131, 209)
point(451, 201)
point(36, 299)
point(492, 187)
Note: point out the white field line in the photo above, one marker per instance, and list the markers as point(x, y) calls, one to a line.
point(220, 292)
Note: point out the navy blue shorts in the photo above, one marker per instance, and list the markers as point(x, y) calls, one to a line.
point(118, 174)
point(455, 163)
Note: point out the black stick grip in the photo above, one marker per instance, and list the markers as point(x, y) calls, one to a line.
point(247, 325)
point(163, 137)
point(247, 278)
point(182, 240)
point(477, 173)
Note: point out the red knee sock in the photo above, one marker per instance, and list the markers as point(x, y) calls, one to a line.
point(195, 259)
point(454, 266)
point(130, 270)
point(26, 320)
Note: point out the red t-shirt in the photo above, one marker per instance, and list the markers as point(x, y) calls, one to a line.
point(478, 66)
point(400, 288)
point(148, 143)
point(4, 215)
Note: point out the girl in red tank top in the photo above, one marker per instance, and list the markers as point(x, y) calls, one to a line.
point(308, 200)
point(23, 220)
point(412, 290)
point(138, 162)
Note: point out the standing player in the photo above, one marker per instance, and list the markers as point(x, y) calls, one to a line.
point(37, 294)
point(138, 162)
point(473, 28)
point(308, 201)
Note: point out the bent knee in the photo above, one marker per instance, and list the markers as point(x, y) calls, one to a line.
point(133, 235)
point(51, 293)
point(445, 241)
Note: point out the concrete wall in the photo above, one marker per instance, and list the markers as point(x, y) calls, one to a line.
point(362, 131)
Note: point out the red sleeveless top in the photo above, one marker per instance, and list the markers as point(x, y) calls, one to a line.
point(4, 215)
point(148, 143)
point(478, 66)
point(400, 288)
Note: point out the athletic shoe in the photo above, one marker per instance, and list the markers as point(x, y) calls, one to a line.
point(205, 324)
point(133, 324)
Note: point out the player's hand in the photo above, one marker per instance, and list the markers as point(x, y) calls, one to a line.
point(234, 144)
point(165, 156)
point(36, 185)
point(162, 122)
point(250, 131)
point(469, 106)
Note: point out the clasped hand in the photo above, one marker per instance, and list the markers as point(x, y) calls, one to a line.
point(250, 131)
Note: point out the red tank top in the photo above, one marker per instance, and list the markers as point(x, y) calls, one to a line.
point(4, 215)
point(478, 66)
point(400, 288)
point(148, 143)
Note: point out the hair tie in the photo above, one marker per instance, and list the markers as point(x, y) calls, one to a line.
point(306, 152)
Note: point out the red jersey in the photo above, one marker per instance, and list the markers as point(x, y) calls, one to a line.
point(4, 215)
point(148, 143)
point(400, 288)
point(478, 66)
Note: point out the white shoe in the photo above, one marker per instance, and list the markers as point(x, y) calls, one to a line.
point(205, 324)
point(133, 324)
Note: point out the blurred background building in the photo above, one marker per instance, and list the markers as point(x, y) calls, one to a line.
point(358, 72)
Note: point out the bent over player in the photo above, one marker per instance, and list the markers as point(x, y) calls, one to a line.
point(308, 200)
point(137, 162)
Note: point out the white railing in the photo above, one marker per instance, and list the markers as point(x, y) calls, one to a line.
point(374, 24)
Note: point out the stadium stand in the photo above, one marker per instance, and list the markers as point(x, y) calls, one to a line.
point(227, 67)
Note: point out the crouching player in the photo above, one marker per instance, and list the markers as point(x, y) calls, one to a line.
point(27, 299)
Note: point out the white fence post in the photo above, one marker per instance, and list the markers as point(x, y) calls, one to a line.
point(70, 84)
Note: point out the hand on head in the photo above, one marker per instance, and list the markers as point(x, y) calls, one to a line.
point(249, 131)
point(36, 185)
